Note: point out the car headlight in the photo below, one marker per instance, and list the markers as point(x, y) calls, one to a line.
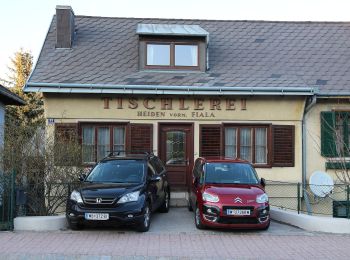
point(210, 197)
point(133, 196)
point(262, 198)
point(75, 195)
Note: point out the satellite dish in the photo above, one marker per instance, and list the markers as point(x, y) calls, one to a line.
point(321, 184)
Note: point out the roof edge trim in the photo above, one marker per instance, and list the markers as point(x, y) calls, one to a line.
point(171, 90)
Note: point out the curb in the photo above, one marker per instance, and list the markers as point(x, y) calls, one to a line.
point(40, 223)
point(311, 223)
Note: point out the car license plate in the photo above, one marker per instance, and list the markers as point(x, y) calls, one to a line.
point(96, 216)
point(238, 212)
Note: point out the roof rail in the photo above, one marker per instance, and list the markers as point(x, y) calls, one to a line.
point(123, 152)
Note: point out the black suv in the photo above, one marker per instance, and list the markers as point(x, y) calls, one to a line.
point(120, 190)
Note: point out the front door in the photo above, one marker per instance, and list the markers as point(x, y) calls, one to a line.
point(176, 151)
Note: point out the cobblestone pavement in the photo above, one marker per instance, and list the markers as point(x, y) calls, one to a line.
point(173, 235)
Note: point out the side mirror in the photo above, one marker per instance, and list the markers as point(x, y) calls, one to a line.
point(155, 178)
point(82, 177)
point(263, 182)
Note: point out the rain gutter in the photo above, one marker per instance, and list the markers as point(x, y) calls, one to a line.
point(164, 90)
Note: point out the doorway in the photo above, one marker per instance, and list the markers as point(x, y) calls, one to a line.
point(176, 151)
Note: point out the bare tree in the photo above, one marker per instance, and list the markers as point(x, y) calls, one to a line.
point(46, 166)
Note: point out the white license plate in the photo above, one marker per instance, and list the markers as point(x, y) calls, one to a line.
point(238, 212)
point(96, 216)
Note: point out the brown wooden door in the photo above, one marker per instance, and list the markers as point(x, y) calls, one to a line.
point(176, 151)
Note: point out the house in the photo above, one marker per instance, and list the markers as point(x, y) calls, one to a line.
point(189, 88)
point(7, 98)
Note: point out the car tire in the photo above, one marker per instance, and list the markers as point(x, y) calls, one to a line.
point(144, 225)
point(189, 206)
point(197, 219)
point(75, 226)
point(267, 227)
point(164, 208)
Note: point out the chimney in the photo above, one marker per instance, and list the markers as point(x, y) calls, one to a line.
point(64, 26)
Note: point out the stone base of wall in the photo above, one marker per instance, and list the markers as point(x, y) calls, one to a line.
point(40, 223)
point(311, 223)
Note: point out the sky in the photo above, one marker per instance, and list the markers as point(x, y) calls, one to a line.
point(24, 23)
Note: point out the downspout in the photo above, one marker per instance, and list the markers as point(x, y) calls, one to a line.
point(306, 110)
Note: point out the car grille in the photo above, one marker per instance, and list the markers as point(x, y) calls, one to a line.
point(227, 220)
point(99, 201)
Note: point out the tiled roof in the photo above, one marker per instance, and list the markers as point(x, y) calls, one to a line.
point(241, 54)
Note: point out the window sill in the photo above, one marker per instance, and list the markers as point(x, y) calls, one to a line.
point(262, 166)
point(181, 71)
point(337, 165)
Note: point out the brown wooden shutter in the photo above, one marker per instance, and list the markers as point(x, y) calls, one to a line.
point(283, 137)
point(210, 140)
point(141, 137)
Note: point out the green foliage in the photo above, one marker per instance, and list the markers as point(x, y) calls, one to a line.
point(19, 71)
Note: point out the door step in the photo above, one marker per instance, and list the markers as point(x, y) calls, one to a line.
point(178, 199)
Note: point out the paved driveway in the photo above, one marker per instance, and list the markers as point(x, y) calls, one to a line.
point(173, 235)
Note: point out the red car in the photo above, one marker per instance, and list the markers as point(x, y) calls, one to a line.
point(227, 193)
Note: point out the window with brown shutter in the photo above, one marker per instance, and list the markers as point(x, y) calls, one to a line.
point(210, 140)
point(141, 137)
point(283, 137)
point(262, 145)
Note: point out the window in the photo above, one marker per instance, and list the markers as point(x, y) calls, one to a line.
point(173, 55)
point(342, 133)
point(158, 54)
point(263, 145)
point(158, 165)
point(230, 173)
point(186, 55)
point(98, 141)
point(247, 143)
point(150, 172)
point(335, 133)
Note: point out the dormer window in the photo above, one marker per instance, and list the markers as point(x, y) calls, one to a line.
point(172, 47)
point(158, 54)
point(172, 55)
point(186, 55)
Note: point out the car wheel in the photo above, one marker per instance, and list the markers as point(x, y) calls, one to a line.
point(144, 225)
point(74, 226)
point(267, 227)
point(189, 206)
point(166, 204)
point(197, 219)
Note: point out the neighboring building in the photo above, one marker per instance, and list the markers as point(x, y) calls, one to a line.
point(7, 98)
point(189, 88)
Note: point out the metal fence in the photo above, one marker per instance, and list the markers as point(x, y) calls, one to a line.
point(311, 199)
point(43, 199)
point(50, 198)
point(7, 200)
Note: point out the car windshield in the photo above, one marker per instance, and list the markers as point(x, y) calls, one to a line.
point(118, 171)
point(230, 173)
